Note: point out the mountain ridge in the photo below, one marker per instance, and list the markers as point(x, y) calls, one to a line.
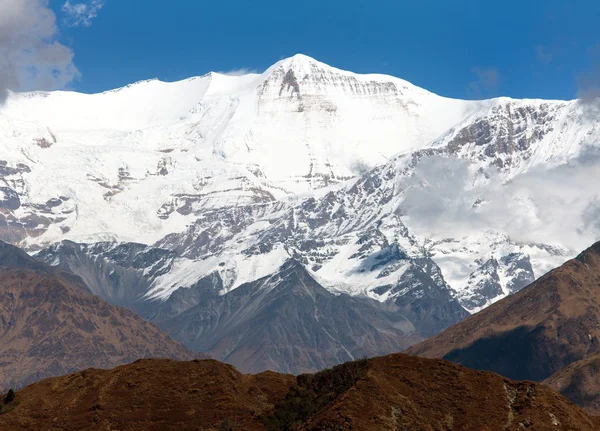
point(50, 325)
point(387, 393)
point(549, 325)
point(379, 189)
point(299, 58)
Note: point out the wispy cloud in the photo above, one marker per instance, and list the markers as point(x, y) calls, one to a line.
point(486, 81)
point(588, 83)
point(81, 14)
point(238, 72)
point(31, 57)
point(544, 55)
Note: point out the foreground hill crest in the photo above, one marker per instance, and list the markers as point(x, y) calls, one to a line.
point(388, 393)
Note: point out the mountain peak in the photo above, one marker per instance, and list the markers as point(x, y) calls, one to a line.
point(299, 64)
point(299, 59)
point(593, 252)
point(14, 257)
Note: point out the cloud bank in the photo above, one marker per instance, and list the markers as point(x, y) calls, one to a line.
point(30, 55)
point(560, 206)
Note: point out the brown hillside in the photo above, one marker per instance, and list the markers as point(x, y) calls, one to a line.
point(156, 394)
point(580, 383)
point(396, 392)
point(531, 335)
point(50, 326)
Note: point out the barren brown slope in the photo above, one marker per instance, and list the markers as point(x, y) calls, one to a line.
point(157, 394)
point(580, 383)
point(50, 326)
point(550, 324)
point(400, 392)
point(396, 392)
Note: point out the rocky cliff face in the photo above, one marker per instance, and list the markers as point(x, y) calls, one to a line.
point(285, 321)
point(289, 323)
point(121, 274)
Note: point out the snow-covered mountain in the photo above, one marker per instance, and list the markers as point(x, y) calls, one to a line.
point(378, 189)
point(144, 160)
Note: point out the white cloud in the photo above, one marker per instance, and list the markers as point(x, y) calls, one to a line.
point(238, 72)
point(559, 205)
point(30, 55)
point(81, 13)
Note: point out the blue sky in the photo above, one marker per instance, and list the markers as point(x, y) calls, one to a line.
point(460, 48)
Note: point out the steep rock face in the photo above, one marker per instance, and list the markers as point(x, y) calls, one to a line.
point(287, 322)
point(424, 298)
point(535, 333)
point(509, 135)
point(50, 326)
point(121, 274)
point(495, 279)
point(332, 328)
point(395, 392)
point(485, 284)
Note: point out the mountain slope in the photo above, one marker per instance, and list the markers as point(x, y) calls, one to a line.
point(287, 322)
point(402, 392)
point(378, 188)
point(160, 162)
point(579, 383)
point(388, 393)
point(50, 326)
point(533, 334)
point(206, 142)
point(149, 395)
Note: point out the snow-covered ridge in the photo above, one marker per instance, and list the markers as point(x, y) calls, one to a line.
point(217, 139)
point(337, 170)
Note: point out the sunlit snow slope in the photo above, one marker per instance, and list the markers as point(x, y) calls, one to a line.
point(128, 159)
